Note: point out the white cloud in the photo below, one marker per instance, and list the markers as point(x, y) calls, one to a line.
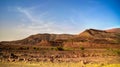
point(39, 25)
point(27, 14)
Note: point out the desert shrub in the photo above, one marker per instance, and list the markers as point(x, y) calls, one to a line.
point(27, 48)
point(54, 48)
point(23, 48)
point(1, 49)
point(35, 48)
point(20, 48)
point(117, 52)
point(68, 48)
point(60, 48)
point(1, 54)
point(109, 49)
point(82, 48)
point(13, 55)
point(9, 48)
point(43, 52)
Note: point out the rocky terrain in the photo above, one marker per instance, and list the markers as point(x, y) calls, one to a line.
point(90, 46)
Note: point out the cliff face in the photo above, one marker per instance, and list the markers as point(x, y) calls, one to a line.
point(87, 37)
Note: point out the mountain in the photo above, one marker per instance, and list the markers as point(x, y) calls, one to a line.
point(99, 36)
point(94, 33)
point(40, 39)
point(114, 30)
point(87, 38)
point(94, 37)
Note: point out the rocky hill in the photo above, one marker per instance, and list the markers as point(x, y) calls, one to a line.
point(95, 38)
point(86, 38)
point(114, 30)
point(41, 39)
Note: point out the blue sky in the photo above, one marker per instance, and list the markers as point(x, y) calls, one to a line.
point(21, 18)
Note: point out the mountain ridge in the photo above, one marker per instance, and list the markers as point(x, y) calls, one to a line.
point(114, 30)
point(88, 36)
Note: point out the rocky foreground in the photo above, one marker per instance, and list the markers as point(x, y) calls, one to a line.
point(52, 54)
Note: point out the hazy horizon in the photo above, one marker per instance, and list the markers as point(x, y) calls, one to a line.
point(21, 18)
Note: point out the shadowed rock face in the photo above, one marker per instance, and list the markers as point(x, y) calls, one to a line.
point(88, 36)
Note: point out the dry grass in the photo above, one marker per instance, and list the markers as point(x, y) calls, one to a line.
point(49, 64)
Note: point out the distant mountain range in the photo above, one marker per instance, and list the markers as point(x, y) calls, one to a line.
point(89, 37)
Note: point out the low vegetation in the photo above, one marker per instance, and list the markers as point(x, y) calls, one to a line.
point(117, 52)
point(114, 51)
point(49, 64)
point(82, 48)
